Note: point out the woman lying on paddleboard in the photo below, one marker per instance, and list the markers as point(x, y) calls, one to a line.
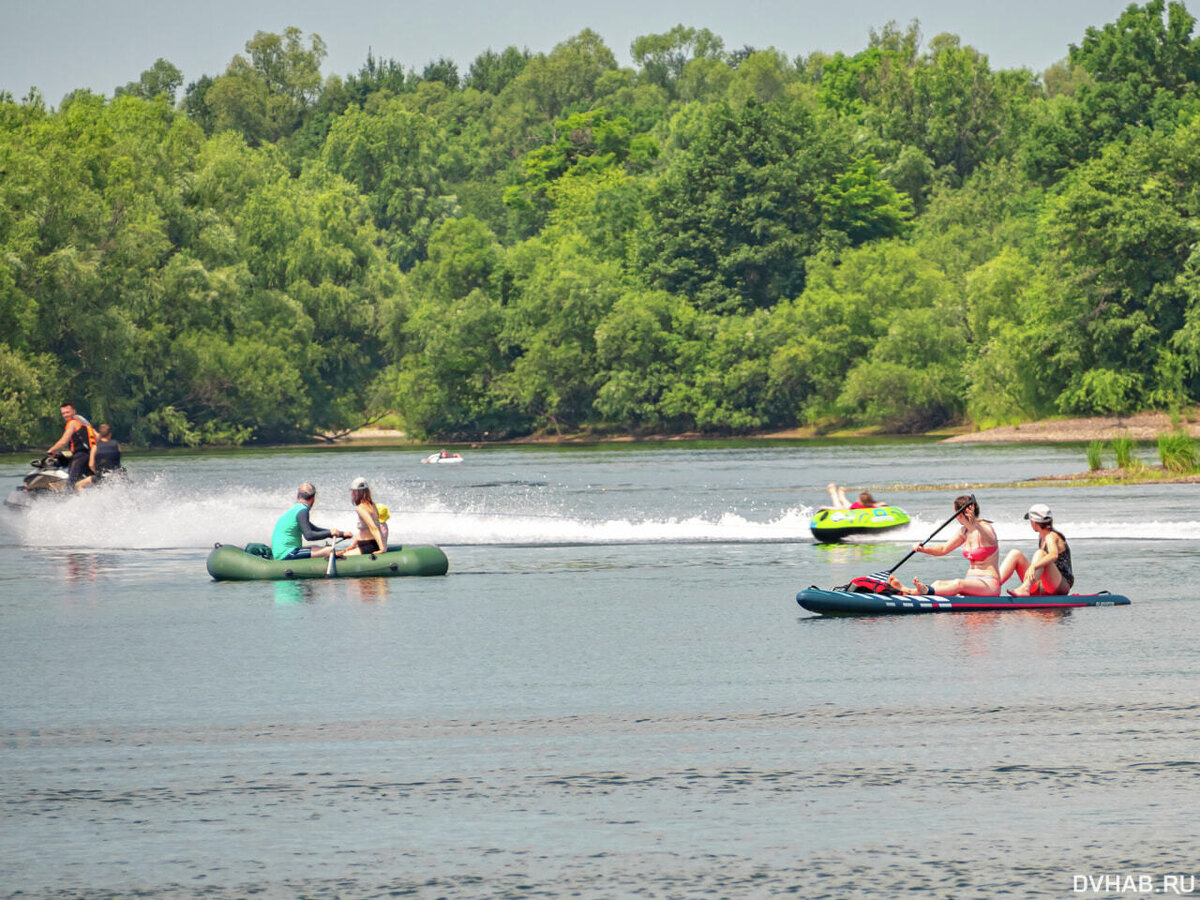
point(980, 547)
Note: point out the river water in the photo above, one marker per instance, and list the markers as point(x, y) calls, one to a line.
point(613, 693)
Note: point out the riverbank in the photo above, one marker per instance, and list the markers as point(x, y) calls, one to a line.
point(1145, 426)
point(1139, 427)
point(1096, 478)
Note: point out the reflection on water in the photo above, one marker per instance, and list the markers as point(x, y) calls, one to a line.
point(364, 590)
point(82, 567)
point(370, 590)
point(287, 592)
point(843, 553)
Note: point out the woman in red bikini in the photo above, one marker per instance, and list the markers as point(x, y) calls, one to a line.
point(978, 540)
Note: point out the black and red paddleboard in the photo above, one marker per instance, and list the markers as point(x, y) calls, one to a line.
point(846, 603)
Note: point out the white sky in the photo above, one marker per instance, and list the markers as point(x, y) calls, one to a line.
point(61, 45)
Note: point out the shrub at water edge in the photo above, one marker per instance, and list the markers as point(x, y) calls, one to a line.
point(1177, 451)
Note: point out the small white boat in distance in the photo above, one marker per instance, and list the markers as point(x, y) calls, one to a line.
point(443, 458)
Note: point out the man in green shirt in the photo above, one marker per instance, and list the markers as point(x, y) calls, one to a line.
point(294, 527)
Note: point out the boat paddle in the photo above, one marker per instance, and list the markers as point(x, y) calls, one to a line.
point(331, 566)
point(883, 576)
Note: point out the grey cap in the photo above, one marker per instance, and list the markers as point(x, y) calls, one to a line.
point(1039, 513)
point(360, 484)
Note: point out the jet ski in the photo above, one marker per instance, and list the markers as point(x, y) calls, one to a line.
point(47, 477)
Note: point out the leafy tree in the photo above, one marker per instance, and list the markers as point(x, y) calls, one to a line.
point(286, 65)
point(375, 76)
point(491, 72)
point(704, 79)
point(195, 106)
point(1125, 227)
point(848, 306)
point(873, 77)
point(662, 58)
point(1063, 80)
point(265, 97)
point(161, 78)
point(587, 144)
point(733, 218)
point(234, 387)
point(444, 335)
point(722, 380)
point(961, 109)
point(862, 206)
point(1137, 65)
point(464, 256)
point(392, 156)
point(639, 345)
point(564, 294)
point(445, 380)
point(763, 76)
point(1015, 339)
point(30, 387)
point(551, 87)
point(443, 70)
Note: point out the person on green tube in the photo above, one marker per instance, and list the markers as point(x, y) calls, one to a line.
point(839, 500)
point(294, 527)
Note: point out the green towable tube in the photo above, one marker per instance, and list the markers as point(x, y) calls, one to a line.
point(830, 525)
point(229, 563)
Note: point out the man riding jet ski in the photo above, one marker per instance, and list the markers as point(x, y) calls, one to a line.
point(76, 460)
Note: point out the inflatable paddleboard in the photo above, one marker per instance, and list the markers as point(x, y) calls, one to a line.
point(846, 603)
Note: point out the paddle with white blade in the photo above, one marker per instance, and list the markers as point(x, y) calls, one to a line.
point(882, 577)
point(331, 566)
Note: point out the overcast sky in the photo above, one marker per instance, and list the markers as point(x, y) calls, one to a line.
point(61, 45)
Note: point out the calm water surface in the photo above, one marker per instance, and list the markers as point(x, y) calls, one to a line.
point(613, 692)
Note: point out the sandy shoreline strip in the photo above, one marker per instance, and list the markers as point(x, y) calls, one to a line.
point(1139, 427)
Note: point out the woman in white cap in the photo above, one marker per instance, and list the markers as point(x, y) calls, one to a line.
point(369, 535)
point(1049, 572)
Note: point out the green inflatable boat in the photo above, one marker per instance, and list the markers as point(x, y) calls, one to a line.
point(229, 563)
point(831, 525)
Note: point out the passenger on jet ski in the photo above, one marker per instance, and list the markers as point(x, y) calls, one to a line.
point(105, 458)
point(77, 440)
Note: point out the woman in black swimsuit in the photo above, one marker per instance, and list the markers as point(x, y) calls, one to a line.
point(1049, 572)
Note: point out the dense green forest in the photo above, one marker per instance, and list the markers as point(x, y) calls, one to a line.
point(711, 240)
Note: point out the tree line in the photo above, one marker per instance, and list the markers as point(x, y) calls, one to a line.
point(709, 240)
